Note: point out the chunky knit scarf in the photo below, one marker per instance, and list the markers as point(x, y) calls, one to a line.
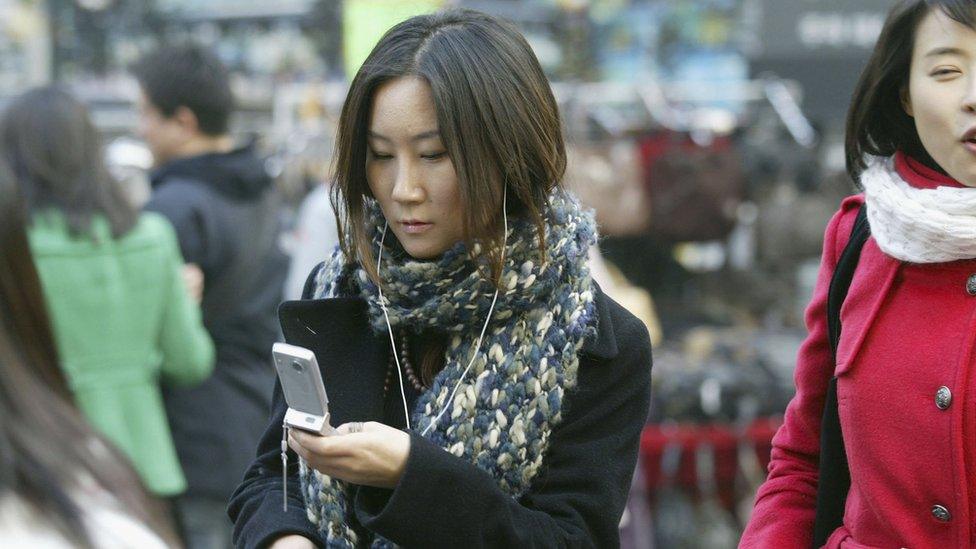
point(502, 417)
point(918, 225)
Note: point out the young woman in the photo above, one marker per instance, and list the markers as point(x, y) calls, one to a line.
point(122, 318)
point(61, 486)
point(905, 362)
point(461, 308)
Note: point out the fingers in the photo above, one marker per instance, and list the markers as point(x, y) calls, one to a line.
point(370, 453)
point(297, 447)
point(354, 427)
point(315, 446)
point(351, 428)
point(329, 459)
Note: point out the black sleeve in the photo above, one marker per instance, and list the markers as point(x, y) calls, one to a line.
point(256, 506)
point(577, 501)
point(184, 209)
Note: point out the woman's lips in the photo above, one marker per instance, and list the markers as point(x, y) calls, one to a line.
point(969, 140)
point(415, 227)
point(970, 146)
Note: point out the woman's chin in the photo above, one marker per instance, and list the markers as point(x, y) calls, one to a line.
point(422, 251)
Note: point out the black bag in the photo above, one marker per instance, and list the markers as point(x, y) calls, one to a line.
point(835, 476)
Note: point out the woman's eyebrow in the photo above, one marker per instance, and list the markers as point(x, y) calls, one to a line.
point(429, 134)
point(935, 52)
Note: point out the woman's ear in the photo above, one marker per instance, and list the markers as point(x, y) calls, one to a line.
point(906, 101)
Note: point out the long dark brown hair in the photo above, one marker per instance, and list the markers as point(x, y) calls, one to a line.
point(55, 152)
point(877, 123)
point(496, 114)
point(46, 448)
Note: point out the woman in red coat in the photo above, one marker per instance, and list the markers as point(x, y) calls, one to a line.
point(906, 359)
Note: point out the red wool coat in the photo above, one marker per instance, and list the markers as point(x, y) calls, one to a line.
point(907, 401)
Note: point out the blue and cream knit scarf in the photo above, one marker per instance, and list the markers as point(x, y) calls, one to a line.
point(503, 415)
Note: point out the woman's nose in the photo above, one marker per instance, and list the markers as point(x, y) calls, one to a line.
point(969, 99)
point(408, 186)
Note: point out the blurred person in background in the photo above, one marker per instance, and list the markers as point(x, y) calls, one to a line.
point(462, 285)
point(123, 320)
point(314, 238)
point(225, 209)
point(61, 485)
point(904, 368)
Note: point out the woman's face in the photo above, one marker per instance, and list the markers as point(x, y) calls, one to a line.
point(942, 94)
point(409, 170)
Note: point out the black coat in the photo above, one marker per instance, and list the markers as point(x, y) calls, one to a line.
point(441, 500)
point(226, 217)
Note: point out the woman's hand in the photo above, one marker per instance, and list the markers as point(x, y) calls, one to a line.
point(292, 542)
point(369, 454)
point(193, 279)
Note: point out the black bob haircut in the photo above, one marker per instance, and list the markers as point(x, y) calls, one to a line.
point(188, 76)
point(877, 123)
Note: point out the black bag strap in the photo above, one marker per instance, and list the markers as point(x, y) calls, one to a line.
point(840, 283)
point(835, 476)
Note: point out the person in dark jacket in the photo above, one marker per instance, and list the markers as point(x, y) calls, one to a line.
point(486, 393)
point(223, 205)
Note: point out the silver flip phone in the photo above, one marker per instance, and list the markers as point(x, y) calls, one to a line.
point(301, 381)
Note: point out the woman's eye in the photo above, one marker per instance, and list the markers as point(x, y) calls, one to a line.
point(434, 156)
point(380, 156)
point(944, 72)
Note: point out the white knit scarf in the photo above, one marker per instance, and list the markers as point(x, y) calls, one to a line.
point(918, 225)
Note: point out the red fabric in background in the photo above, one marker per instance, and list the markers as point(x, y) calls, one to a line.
point(724, 440)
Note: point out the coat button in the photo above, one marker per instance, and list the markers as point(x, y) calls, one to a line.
point(943, 398)
point(971, 285)
point(941, 513)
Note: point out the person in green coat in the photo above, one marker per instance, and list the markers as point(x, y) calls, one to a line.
point(114, 281)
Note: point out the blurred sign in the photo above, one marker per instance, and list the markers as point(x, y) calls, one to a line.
point(822, 45)
point(804, 28)
point(365, 21)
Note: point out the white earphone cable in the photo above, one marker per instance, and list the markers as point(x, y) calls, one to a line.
point(386, 316)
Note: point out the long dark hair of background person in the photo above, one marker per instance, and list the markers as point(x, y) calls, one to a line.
point(46, 448)
point(54, 150)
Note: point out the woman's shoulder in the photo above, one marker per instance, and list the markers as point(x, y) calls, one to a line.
point(620, 336)
point(842, 223)
point(615, 366)
point(154, 226)
point(311, 282)
point(49, 232)
point(848, 209)
point(323, 274)
point(151, 230)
